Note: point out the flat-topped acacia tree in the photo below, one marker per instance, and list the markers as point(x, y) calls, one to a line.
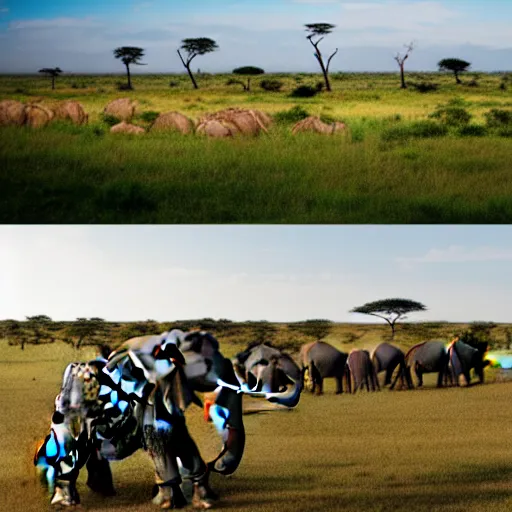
point(246, 71)
point(53, 73)
point(390, 310)
point(321, 30)
point(194, 47)
point(129, 55)
point(456, 66)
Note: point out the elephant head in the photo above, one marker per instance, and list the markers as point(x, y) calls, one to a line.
point(266, 371)
point(463, 358)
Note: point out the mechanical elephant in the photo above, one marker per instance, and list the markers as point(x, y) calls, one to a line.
point(321, 361)
point(388, 358)
point(263, 368)
point(428, 357)
point(463, 358)
point(362, 371)
point(108, 409)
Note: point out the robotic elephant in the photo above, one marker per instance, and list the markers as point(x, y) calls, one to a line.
point(108, 409)
point(320, 361)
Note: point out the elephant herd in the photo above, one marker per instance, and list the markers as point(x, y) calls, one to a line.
point(359, 369)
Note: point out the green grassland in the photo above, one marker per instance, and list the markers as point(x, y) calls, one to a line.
point(385, 169)
point(421, 450)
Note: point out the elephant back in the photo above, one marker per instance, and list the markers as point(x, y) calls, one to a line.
point(429, 354)
point(386, 355)
point(328, 361)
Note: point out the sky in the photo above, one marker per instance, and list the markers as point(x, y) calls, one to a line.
point(274, 273)
point(79, 35)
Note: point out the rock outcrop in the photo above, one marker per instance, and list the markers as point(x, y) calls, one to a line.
point(122, 108)
point(233, 121)
point(123, 127)
point(173, 121)
point(12, 113)
point(72, 111)
point(316, 125)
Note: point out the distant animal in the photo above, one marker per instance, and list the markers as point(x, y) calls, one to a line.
point(428, 357)
point(463, 358)
point(388, 358)
point(321, 361)
point(362, 371)
point(263, 368)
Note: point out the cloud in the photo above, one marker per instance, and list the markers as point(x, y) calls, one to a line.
point(460, 254)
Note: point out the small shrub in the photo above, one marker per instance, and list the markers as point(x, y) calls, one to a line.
point(473, 83)
point(498, 118)
point(503, 86)
point(357, 133)
point(123, 87)
point(21, 90)
point(419, 130)
point(304, 91)
point(174, 83)
point(109, 119)
point(425, 87)
point(319, 86)
point(271, 85)
point(473, 130)
point(326, 118)
point(505, 132)
point(149, 116)
point(452, 116)
point(293, 115)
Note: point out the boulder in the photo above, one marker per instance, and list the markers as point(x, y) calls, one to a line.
point(173, 121)
point(315, 124)
point(38, 116)
point(235, 121)
point(123, 127)
point(72, 111)
point(12, 113)
point(122, 108)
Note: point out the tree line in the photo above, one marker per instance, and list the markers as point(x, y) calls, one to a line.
point(193, 47)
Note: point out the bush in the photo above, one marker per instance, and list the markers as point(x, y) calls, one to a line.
point(304, 91)
point(473, 130)
point(498, 118)
point(319, 86)
point(293, 115)
point(452, 116)
point(123, 87)
point(110, 120)
point(419, 130)
point(149, 116)
point(271, 85)
point(425, 87)
point(174, 83)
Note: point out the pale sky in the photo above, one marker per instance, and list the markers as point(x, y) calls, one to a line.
point(275, 273)
point(79, 35)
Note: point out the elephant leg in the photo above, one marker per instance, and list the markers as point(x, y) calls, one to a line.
point(196, 468)
point(65, 493)
point(389, 376)
point(320, 386)
point(160, 445)
point(339, 384)
point(99, 476)
point(419, 375)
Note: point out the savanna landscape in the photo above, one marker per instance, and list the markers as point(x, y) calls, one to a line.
point(405, 156)
point(424, 449)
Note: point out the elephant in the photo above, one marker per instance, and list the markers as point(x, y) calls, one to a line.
point(388, 358)
point(428, 357)
point(463, 358)
point(263, 368)
point(320, 361)
point(109, 408)
point(362, 371)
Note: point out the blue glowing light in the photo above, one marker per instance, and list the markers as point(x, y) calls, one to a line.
point(51, 448)
point(162, 366)
point(114, 398)
point(122, 405)
point(104, 390)
point(128, 386)
point(162, 425)
point(219, 416)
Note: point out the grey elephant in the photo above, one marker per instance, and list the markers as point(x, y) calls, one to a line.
point(108, 409)
point(428, 357)
point(388, 358)
point(362, 371)
point(463, 358)
point(263, 368)
point(320, 361)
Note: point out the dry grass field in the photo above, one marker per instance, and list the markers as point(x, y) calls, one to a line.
point(420, 450)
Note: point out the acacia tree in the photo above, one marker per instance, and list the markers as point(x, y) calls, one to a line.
point(390, 310)
point(247, 71)
point(321, 30)
point(53, 73)
point(129, 55)
point(456, 66)
point(87, 331)
point(194, 47)
point(401, 58)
